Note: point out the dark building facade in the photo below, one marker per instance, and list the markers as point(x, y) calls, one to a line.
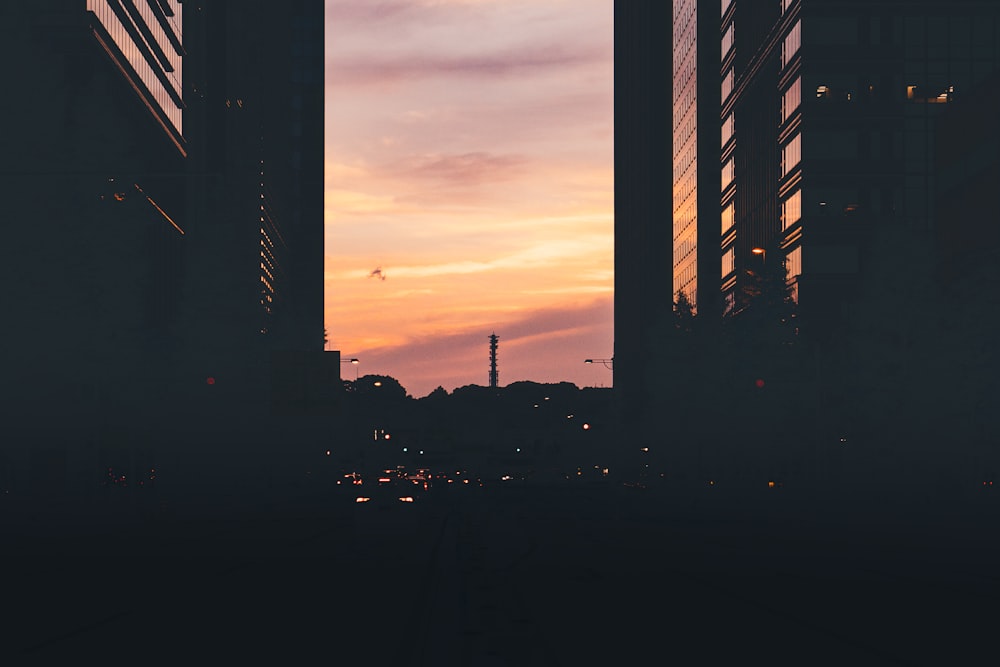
point(828, 115)
point(164, 185)
point(256, 187)
point(93, 180)
point(642, 194)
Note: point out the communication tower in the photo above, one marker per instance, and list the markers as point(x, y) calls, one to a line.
point(493, 360)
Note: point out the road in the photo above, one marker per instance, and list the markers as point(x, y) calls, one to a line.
point(508, 576)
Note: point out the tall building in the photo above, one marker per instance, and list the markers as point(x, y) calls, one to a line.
point(695, 152)
point(642, 194)
point(94, 191)
point(163, 175)
point(798, 128)
point(827, 120)
point(255, 120)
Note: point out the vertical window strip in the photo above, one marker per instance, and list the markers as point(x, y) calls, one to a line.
point(793, 41)
point(791, 154)
point(791, 210)
point(791, 100)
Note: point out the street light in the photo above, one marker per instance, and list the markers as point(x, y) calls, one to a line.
point(760, 251)
point(608, 363)
point(355, 362)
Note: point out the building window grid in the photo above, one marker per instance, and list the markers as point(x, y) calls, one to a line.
point(130, 50)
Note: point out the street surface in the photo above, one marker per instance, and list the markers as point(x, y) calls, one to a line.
point(504, 574)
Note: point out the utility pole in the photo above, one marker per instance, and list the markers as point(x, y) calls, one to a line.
point(493, 360)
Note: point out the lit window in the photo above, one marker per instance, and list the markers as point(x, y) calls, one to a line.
point(728, 261)
point(791, 210)
point(822, 91)
point(727, 85)
point(727, 129)
point(791, 44)
point(727, 41)
point(728, 215)
point(791, 154)
point(793, 264)
point(791, 99)
point(727, 173)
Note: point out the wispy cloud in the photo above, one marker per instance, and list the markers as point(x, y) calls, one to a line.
point(363, 68)
point(460, 169)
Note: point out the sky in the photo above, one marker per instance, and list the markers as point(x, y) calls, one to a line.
point(470, 189)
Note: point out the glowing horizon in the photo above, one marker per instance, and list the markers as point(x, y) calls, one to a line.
point(469, 189)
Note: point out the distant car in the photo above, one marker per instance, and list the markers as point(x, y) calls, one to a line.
point(386, 505)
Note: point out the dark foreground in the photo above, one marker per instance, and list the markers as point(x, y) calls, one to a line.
point(565, 574)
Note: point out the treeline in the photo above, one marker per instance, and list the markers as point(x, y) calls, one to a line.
point(519, 427)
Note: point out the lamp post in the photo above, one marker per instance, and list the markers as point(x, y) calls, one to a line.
point(352, 361)
point(608, 363)
point(760, 251)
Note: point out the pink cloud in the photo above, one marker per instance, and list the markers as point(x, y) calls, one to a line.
point(370, 69)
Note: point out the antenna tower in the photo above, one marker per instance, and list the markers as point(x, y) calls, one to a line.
point(493, 360)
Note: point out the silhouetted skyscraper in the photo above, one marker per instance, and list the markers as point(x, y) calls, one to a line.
point(94, 192)
point(164, 179)
point(256, 126)
point(827, 131)
point(642, 193)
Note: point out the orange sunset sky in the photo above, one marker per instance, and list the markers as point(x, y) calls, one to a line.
point(470, 189)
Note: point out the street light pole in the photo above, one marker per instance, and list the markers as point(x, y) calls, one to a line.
point(608, 363)
point(355, 362)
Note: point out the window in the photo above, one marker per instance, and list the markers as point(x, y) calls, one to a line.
point(792, 43)
point(727, 85)
point(728, 261)
point(727, 129)
point(728, 217)
point(728, 302)
point(791, 210)
point(727, 173)
point(791, 100)
point(793, 264)
point(791, 154)
point(725, 6)
point(727, 40)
